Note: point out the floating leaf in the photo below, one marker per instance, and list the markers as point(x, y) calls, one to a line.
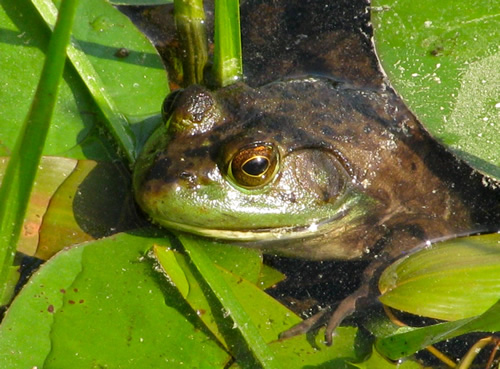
point(173, 270)
point(102, 304)
point(94, 201)
point(446, 65)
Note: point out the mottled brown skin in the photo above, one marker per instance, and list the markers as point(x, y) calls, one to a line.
point(422, 192)
point(321, 103)
point(384, 150)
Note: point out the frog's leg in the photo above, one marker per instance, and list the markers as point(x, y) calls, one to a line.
point(399, 241)
point(366, 292)
point(402, 238)
point(349, 305)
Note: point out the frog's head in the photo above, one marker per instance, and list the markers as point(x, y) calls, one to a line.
point(239, 164)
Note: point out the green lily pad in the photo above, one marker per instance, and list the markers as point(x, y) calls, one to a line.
point(94, 201)
point(445, 62)
point(101, 304)
point(104, 303)
point(75, 201)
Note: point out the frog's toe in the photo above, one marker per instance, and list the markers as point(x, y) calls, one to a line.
point(311, 323)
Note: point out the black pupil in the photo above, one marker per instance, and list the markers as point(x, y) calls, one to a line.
point(256, 166)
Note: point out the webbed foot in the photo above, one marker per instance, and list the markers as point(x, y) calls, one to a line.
point(346, 307)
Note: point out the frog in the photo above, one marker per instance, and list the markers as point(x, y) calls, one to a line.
point(310, 165)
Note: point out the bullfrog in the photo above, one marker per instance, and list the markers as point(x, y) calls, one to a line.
point(311, 165)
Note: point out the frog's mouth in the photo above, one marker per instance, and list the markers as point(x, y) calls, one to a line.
point(347, 217)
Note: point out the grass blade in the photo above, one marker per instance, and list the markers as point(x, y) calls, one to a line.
point(255, 343)
point(227, 52)
point(21, 170)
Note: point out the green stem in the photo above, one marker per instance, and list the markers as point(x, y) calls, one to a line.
point(23, 164)
point(190, 25)
point(227, 52)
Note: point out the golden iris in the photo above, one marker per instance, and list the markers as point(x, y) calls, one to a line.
point(254, 166)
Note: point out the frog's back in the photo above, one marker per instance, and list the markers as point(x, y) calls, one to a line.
point(419, 186)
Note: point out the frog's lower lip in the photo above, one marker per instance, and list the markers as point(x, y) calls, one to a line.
point(263, 234)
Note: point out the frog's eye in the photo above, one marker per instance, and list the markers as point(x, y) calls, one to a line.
point(254, 166)
point(169, 104)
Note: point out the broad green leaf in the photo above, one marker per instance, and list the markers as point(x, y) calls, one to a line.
point(102, 304)
point(269, 277)
point(23, 42)
point(245, 262)
point(444, 59)
point(135, 80)
point(451, 280)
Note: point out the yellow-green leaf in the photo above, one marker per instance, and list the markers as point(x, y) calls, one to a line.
point(451, 280)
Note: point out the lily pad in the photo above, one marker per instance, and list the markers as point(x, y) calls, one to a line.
point(444, 59)
point(105, 303)
point(51, 173)
point(101, 304)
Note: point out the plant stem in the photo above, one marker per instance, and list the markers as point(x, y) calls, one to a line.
point(227, 52)
point(190, 24)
